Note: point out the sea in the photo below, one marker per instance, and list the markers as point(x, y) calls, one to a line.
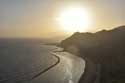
point(33, 61)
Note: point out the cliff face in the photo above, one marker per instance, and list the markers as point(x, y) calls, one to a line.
point(105, 47)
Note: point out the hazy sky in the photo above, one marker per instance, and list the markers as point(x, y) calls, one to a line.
point(36, 18)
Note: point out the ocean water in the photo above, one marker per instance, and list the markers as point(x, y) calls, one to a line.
point(22, 59)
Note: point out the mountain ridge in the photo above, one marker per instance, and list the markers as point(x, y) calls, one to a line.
point(106, 47)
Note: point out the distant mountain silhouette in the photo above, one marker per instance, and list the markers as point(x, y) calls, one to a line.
point(106, 48)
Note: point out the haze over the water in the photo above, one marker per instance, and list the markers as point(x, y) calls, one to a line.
point(37, 18)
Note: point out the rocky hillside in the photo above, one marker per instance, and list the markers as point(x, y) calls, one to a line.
point(106, 48)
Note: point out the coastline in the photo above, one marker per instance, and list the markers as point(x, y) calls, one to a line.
point(91, 72)
point(64, 54)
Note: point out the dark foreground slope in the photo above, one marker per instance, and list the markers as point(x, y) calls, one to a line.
point(106, 48)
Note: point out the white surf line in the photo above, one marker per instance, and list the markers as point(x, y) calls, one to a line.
point(68, 68)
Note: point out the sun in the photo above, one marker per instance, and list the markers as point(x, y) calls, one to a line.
point(74, 19)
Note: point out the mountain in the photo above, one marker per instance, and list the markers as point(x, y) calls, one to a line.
point(106, 47)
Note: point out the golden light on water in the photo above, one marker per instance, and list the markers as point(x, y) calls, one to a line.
point(74, 19)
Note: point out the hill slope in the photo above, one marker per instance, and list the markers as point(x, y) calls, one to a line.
point(106, 48)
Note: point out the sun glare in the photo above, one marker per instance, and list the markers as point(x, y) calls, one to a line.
point(74, 19)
